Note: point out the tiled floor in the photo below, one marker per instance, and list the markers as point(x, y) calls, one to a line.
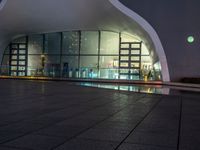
point(36, 115)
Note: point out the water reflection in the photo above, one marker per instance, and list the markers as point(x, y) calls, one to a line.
point(156, 89)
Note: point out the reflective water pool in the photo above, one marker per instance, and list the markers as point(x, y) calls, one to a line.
point(156, 89)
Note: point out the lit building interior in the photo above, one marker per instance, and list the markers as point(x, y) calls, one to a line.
point(81, 54)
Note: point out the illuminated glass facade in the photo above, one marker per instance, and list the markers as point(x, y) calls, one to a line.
point(80, 54)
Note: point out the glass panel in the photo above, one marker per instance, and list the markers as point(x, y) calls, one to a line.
point(14, 57)
point(135, 58)
point(13, 62)
point(5, 65)
point(22, 51)
point(124, 57)
point(52, 43)
point(88, 66)
point(21, 73)
point(70, 66)
point(146, 59)
point(14, 51)
point(14, 46)
point(89, 61)
point(14, 68)
point(35, 44)
point(125, 46)
point(128, 38)
point(22, 46)
point(145, 50)
point(135, 65)
point(107, 67)
point(89, 42)
point(20, 40)
point(13, 73)
point(125, 52)
point(70, 43)
point(109, 43)
point(20, 57)
point(21, 62)
point(109, 62)
point(157, 75)
point(52, 66)
point(124, 65)
point(21, 68)
point(35, 65)
point(135, 52)
point(7, 51)
point(109, 73)
point(135, 46)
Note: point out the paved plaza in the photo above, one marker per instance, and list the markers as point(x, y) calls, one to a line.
point(38, 115)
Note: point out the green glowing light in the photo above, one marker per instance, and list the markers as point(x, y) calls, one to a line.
point(190, 39)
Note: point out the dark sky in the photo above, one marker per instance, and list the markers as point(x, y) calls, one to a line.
point(176, 13)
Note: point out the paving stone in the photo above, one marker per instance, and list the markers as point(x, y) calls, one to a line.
point(153, 138)
point(6, 136)
point(43, 115)
point(83, 144)
point(7, 148)
point(21, 127)
point(105, 135)
point(36, 142)
point(126, 146)
point(60, 131)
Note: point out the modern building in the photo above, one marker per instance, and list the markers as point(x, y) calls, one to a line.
point(100, 39)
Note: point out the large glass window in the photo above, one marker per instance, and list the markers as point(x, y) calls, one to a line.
point(35, 44)
point(70, 42)
point(81, 56)
point(53, 43)
point(109, 43)
point(89, 42)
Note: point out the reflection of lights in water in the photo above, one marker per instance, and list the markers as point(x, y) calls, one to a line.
point(132, 88)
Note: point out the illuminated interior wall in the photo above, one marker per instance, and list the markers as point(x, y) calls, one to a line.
point(79, 54)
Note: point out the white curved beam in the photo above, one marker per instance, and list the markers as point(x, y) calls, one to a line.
point(152, 33)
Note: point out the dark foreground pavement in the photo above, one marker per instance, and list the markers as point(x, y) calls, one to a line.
point(60, 116)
